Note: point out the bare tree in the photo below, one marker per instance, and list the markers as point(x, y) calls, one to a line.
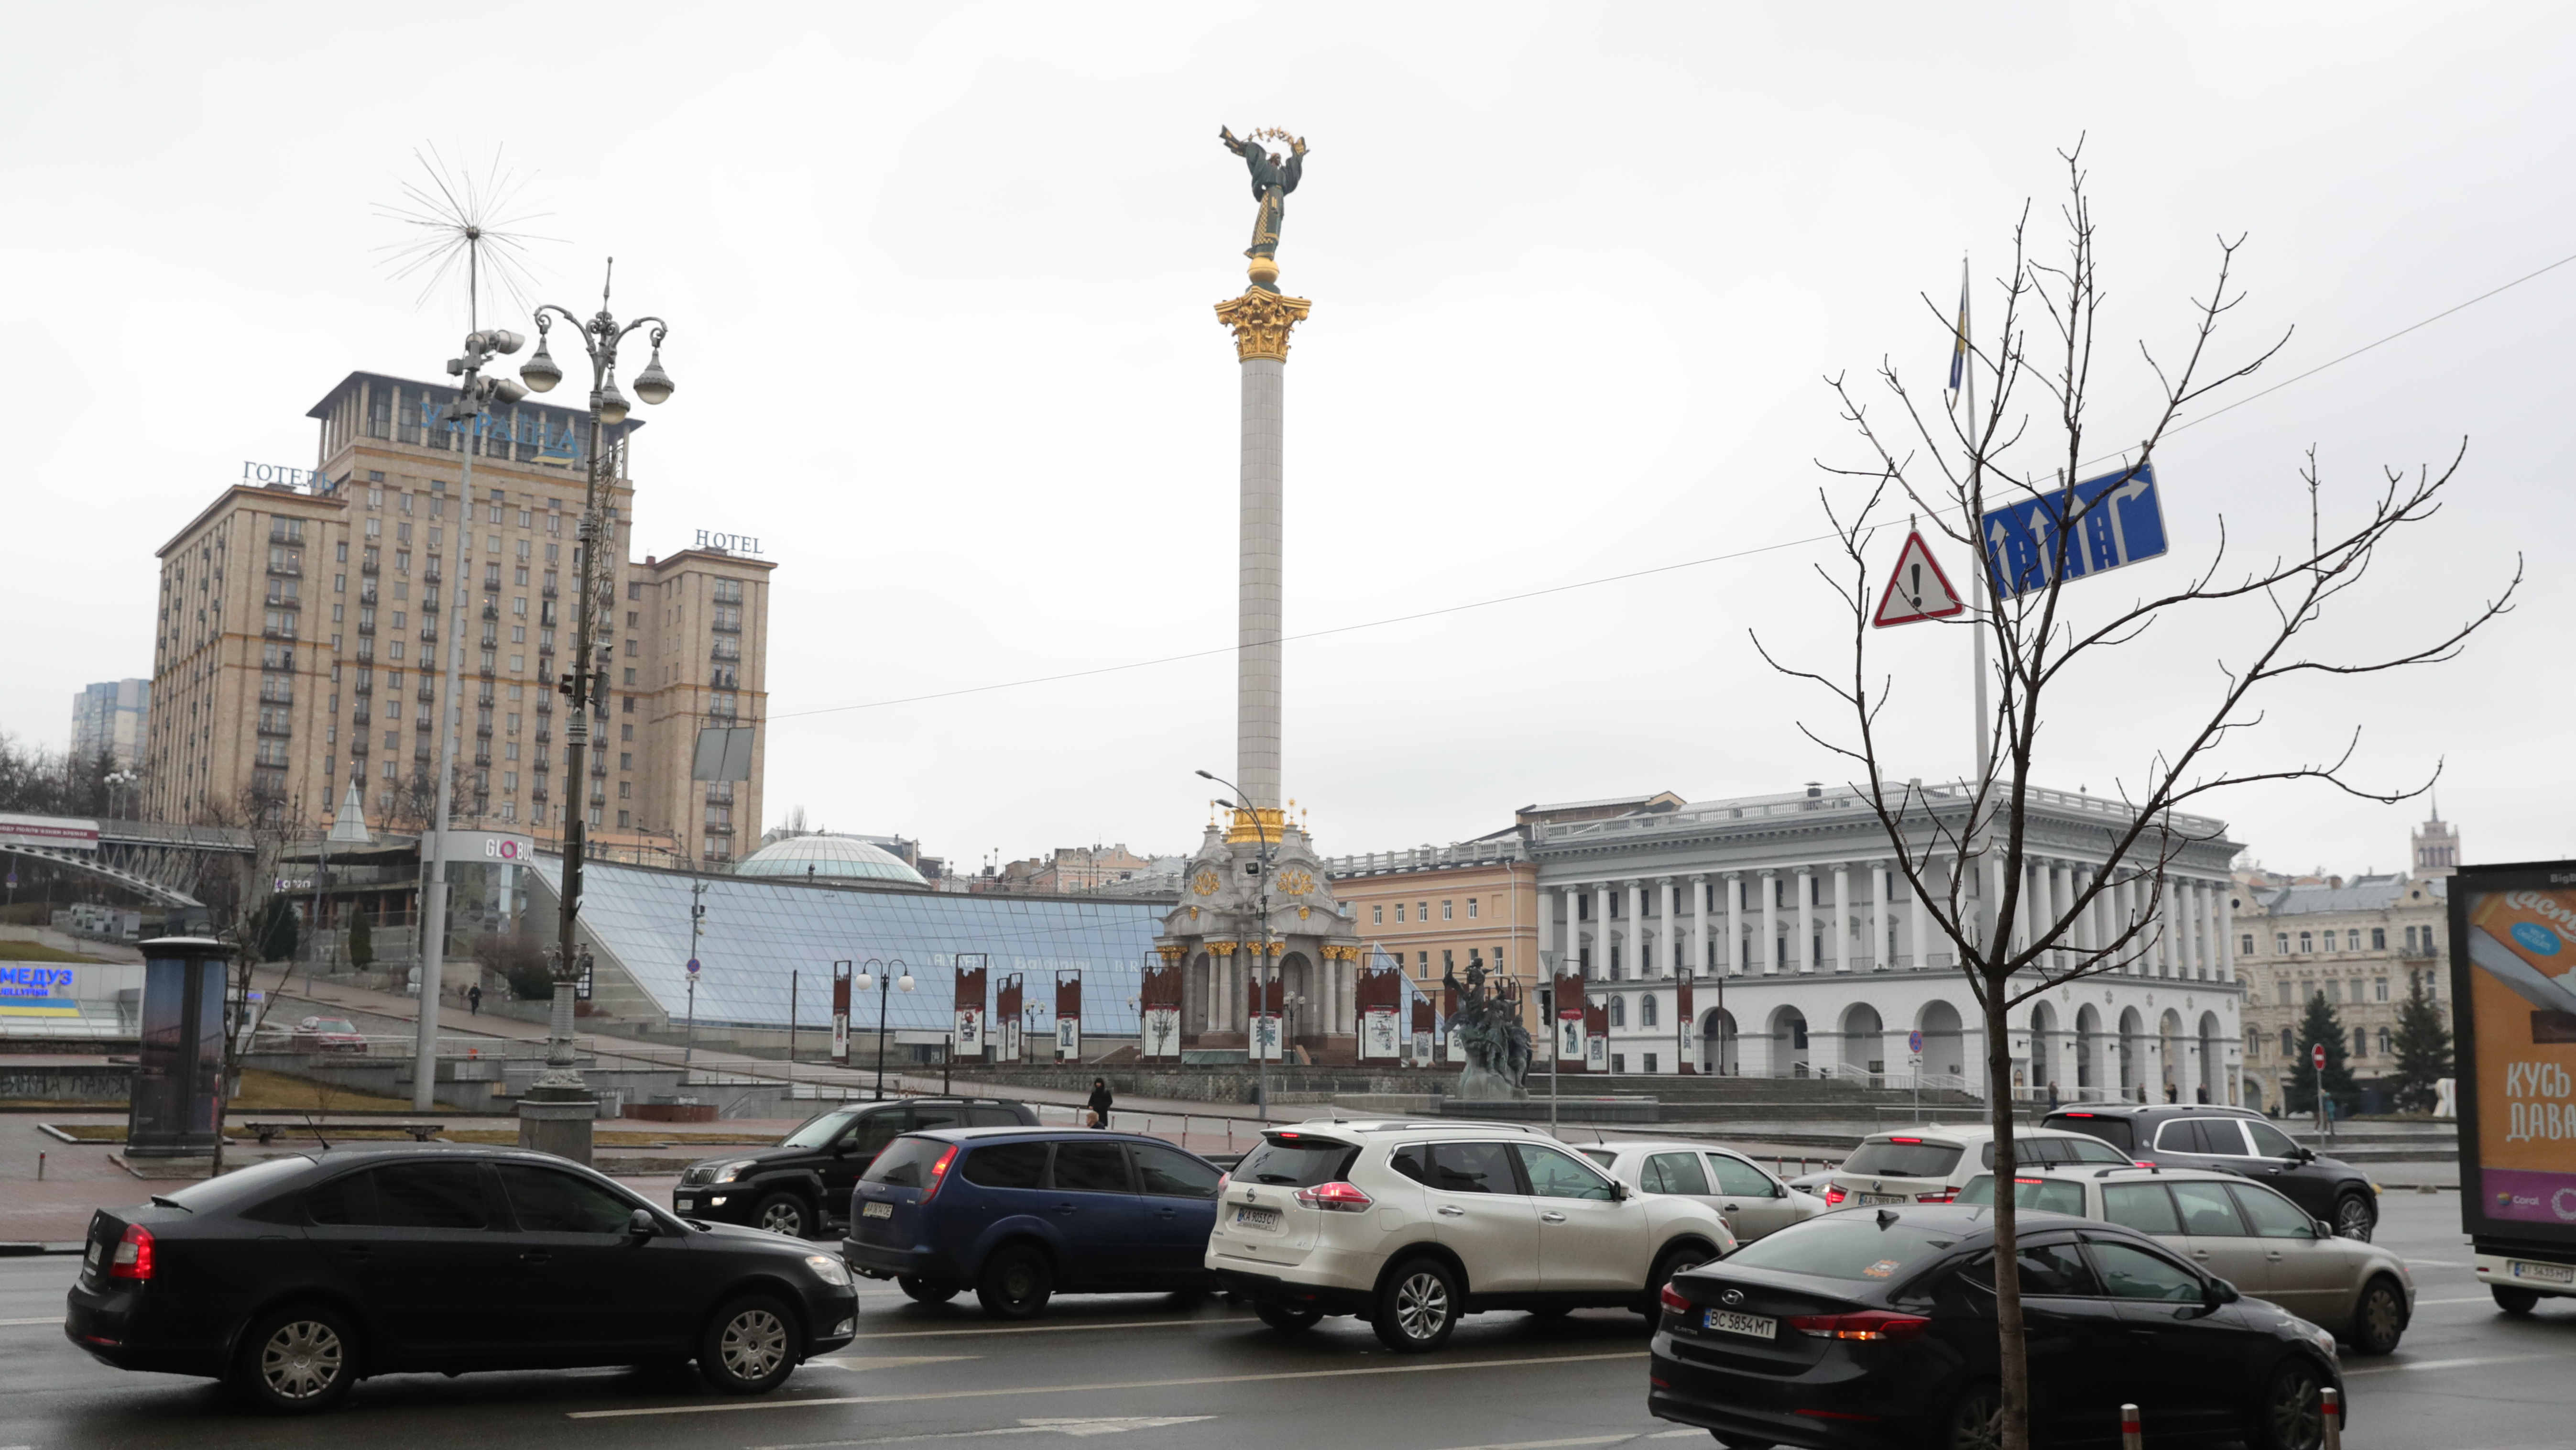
point(272, 822)
point(1961, 847)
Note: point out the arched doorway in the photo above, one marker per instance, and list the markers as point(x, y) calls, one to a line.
point(1944, 1044)
point(2044, 1068)
point(1717, 1043)
point(1301, 997)
point(2211, 1081)
point(2132, 1049)
point(1789, 1054)
point(1198, 997)
point(1864, 1041)
point(2088, 1046)
point(2172, 1070)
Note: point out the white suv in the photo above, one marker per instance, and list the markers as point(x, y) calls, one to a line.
point(1411, 1224)
point(1931, 1164)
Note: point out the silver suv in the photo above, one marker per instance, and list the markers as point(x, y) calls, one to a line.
point(1412, 1224)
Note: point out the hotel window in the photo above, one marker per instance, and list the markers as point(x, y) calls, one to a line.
point(375, 528)
point(622, 820)
point(375, 498)
point(1377, 916)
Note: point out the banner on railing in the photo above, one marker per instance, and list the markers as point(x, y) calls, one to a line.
point(967, 1041)
point(1009, 1017)
point(841, 1013)
point(1566, 995)
point(1068, 1014)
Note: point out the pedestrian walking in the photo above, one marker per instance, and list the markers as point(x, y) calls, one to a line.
point(2172, 1094)
point(1100, 1100)
point(2052, 1094)
point(474, 1000)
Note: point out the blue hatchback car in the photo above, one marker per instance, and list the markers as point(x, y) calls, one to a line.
point(1024, 1214)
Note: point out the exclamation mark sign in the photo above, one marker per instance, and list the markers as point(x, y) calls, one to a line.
point(1917, 569)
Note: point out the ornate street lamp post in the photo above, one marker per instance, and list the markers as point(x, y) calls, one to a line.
point(1263, 968)
point(879, 976)
point(563, 1102)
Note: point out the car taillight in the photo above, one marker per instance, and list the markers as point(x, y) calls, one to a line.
point(2143, 1162)
point(1868, 1324)
point(1335, 1197)
point(1673, 1300)
point(939, 1173)
point(1905, 1140)
point(1946, 1195)
point(1833, 1193)
point(133, 1258)
point(1222, 1180)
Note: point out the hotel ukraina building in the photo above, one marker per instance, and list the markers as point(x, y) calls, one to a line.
point(301, 618)
point(1807, 956)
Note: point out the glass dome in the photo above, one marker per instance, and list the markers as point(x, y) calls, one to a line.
point(828, 858)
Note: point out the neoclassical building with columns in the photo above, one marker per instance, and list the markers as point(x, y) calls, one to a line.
point(1807, 956)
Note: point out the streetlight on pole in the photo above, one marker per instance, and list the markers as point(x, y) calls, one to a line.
point(879, 982)
point(474, 392)
point(587, 684)
point(1262, 970)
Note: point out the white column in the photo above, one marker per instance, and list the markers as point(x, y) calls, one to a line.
point(1802, 925)
point(1770, 924)
point(1665, 948)
point(1636, 933)
point(1601, 932)
point(1734, 889)
point(2169, 957)
point(1918, 927)
point(1699, 963)
point(2226, 938)
point(2207, 897)
point(1882, 952)
point(1838, 930)
point(1257, 677)
point(1547, 921)
point(2119, 894)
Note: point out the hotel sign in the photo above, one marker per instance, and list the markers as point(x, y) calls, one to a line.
point(303, 478)
point(729, 543)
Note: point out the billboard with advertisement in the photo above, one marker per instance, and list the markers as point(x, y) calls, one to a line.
point(2513, 984)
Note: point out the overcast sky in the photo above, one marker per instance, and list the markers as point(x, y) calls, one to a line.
point(939, 281)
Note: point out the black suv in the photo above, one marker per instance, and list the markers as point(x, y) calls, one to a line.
point(2232, 1140)
point(797, 1187)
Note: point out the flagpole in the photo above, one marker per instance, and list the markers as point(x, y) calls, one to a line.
point(1977, 573)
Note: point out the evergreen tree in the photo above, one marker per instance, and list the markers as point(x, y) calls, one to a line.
point(2423, 1047)
point(362, 940)
point(276, 935)
point(2322, 1024)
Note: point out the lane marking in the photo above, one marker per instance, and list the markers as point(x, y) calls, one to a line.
point(2434, 1264)
point(998, 1391)
point(2449, 1364)
point(20, 1324)
point(1058, 1328)
point(1113, 1425)
point(2472, 1299)
point(1554, 1444)
point(865, 1362)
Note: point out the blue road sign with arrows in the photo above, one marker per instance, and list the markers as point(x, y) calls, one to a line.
point(2099, 524)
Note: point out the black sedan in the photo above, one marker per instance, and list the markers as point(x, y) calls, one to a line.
point(293, 1278)
point(1877, 1329)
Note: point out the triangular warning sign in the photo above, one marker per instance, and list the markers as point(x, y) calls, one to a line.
point(1917, 590)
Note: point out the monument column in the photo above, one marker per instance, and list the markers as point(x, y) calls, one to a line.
point(1262, 320)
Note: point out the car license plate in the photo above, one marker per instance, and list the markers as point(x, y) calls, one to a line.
point(684, 1205)
point(877, 1210)
point(1867, 1199)
point(1727, 1321)
point(1257, 1217)
point(2541, 1273)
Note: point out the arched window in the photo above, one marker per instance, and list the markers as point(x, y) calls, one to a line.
point(2383, 1042)
point(2287, 1047)
point(1618, 1011)
point(1646, 1010)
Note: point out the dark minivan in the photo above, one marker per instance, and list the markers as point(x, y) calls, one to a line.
point(1023, 1215)
point(293, 1278)
point(2232, 1140)
point(796, 1186)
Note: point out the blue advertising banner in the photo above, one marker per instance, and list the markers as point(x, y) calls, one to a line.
point(2105, 523)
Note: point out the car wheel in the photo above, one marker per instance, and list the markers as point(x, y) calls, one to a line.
point(2354, 1218)
point(1285, 1319)
point(1975, 1420)
point(1417, 1307)
point(2292, 1414)
point(1672, 1262)
point(749, 1347)
point(296, 1361)
point(1016, 1283)
point(2381, 1318)
point(783, 1213)
point(2514, 1301)
point(927, 1291)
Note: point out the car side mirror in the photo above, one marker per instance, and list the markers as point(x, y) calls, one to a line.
point(2321, 1229)
point(2307, 1155)
point(1619, 1191)
point(2218, 1292)
point(640, 1224)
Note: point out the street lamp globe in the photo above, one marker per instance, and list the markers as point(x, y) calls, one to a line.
point(903, 983)
point(540, 372)
point(864, 982)
point(653, 385)
point(612, 403)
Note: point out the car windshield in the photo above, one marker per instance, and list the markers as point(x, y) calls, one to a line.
point(1843, 1247)
point(1902, 1158)
point(1296, 1162)
point(334, 1024)
point(819, 1131)
point(2049, 1195)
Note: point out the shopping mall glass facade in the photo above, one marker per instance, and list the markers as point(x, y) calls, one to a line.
point(759, 932)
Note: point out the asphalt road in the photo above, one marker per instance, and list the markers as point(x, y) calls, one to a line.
point(1143, 1373)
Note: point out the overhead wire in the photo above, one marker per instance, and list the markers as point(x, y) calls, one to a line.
point(1630, 574)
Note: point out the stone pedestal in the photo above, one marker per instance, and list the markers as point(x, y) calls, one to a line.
point(558, 1125)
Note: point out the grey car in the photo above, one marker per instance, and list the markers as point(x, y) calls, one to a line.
point(1752, 1200)
point(2246, 1233)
